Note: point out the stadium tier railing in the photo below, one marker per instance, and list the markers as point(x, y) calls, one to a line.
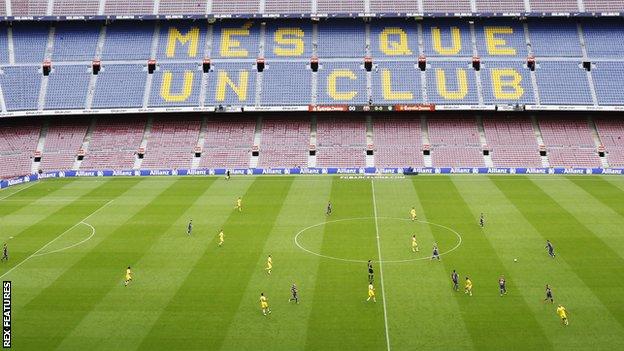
point(146, 9)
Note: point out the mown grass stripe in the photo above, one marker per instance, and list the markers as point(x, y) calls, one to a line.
point(304, 206)
point(604, 191)
point(106, 263)
point(420, 295)
point(514, 237)
point(341, 287)
point(486, 310)
point(582, 250)
point(202, 309)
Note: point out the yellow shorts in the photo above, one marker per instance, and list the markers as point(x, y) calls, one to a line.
point(128, 277)
point(264, 305)
point(371, 294)
point(269, 266)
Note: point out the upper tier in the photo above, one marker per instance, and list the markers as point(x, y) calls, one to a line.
point(76, 9)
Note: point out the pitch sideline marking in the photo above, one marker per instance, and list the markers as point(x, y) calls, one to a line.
point(24, 188)
point(459, 240)
point(383, 290)
point(53, 240)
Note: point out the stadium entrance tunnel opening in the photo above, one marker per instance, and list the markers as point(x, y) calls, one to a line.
point(355, 239)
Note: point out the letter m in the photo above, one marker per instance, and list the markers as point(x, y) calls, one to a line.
point(191, 39)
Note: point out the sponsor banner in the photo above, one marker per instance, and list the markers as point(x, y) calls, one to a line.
point(311, 15)
point(414, 107)
point(326, 170)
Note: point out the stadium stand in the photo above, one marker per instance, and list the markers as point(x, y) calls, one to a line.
point(20, 86)
point(604, 38)
point(30, 40)
point(285, 142)
point(120, 86)
point(114, 143)
point(611, 133)
point(235, 6)
point(558, 40)
point(126, 40)
point(287, 6)
point(228, 142)
point(125, 7)
point(182, 7)
point(554, 83)
point(378, 6)
point(500, 6)
point(293, 77)
point(340, 142)
point(398, 142)
point(569, 142)
point(340, 6)
point(73, 7)
point(171, 143)
point(63, 139)
point(454, 142)
point(554, 6)
point(609, 80)
point(68, 87)
point(19, 141)
point(512, 142)
point(442, 6)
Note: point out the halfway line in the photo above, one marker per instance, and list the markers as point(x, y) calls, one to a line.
point(383, 290)
point(55, 239)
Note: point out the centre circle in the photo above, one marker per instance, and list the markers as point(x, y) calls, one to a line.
point(394, 237)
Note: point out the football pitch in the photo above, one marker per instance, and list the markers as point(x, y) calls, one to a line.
point(71, 240)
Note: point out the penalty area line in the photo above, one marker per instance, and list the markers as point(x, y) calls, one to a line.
point(383, 290)
point(36, 253)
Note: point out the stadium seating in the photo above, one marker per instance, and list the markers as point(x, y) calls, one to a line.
point(285, 142)
point(511, 142)
point(182, 7)
point(454, 142)
point(67, 87)
point(569, 143)
point(63, 139)
point(125, 7)
point(340, 142)
point(500, 6)
point(120, 86)
point(398, 142)
point(611, 133)
point(171, 143)
point(234, 46)
point(340, 6)
point(228, 142)
point(287, 6)
point(73, 7)
point(608, 81)
point(18, 143)
point(114, 143)
point(554, 6)
point(20, 85)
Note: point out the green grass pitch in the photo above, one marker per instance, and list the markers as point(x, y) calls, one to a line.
point(70, 241)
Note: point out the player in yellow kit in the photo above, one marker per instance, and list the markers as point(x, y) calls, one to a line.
point(239, 204)
point(413, 214)
point(414, 244)
point(264, 304)
point(221, 237)
point(371, 293)
point(269, 265)
point(563, 314)
point(468, 288)
point(128, 276)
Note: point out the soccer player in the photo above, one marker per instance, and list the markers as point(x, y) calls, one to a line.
point(128, 276)
point(549, 295)
point(468, 287)
point(5, 253)
point(221, 238)
point(413, 214)
point(269, 265)
point(264, 304)
point(550, 248)
point(436, 252)
point(371, 273)
point(189, 228)
point(239, 204)
point(294, 292)
point(502, 286)
point(329, 209)
point(371, 293)
point(563, 314)
point(414, 244)
point(455, 279)
point(227, 175)
point(482, 220)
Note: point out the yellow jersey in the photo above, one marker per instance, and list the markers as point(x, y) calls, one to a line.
point(413, 212)
point(371, 290)
point(414, 242)
point(561, 311)
point(221, 236)
point(239, 202)
point(128, 274)
point(468, 284)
